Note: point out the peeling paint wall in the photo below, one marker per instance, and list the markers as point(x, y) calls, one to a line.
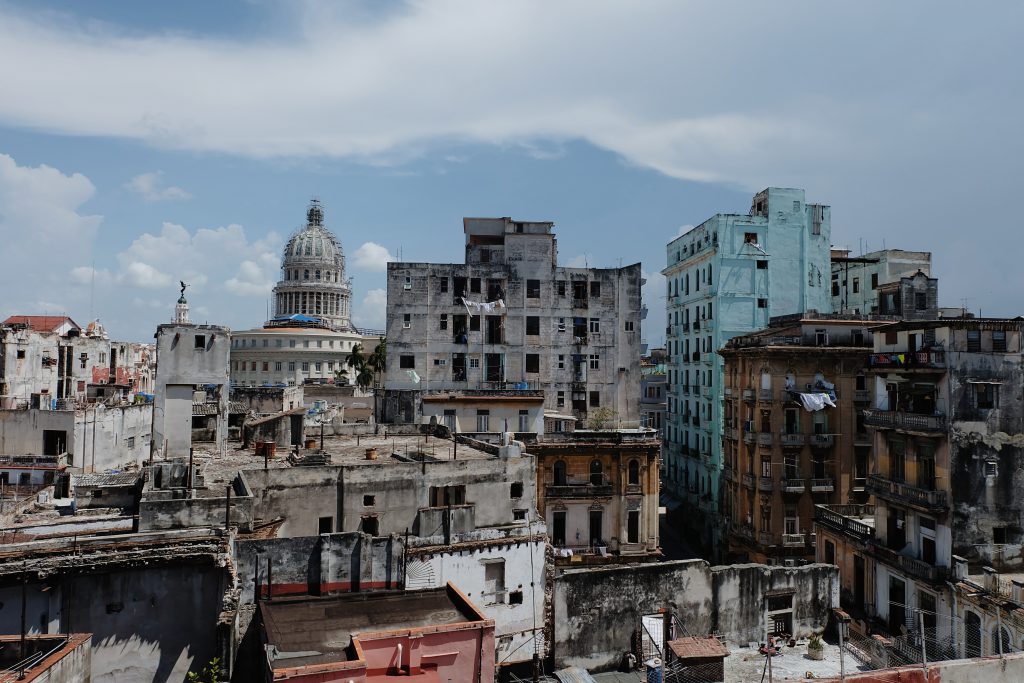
point(598, 611)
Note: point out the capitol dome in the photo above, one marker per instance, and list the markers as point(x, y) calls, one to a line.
point(313, 281)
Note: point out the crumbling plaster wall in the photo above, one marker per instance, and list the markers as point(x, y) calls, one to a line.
point(597, 610)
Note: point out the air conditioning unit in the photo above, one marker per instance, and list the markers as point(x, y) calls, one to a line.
point(790, 562)
point(407, 286)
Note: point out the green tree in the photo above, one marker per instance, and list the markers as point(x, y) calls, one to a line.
point(365, 377)
point(208, 674)
point(601, 418)
point(341, 377)
point(355, 358)
point(378, 359)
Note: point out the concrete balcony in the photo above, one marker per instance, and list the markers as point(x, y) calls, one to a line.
point(794, 485)
point(823, 440)
point(793, 540)
point(749, 395)
point(748, 480)
point(906, 494)
point(732, 433)
point(579, 491)
point(911, 565)
point(908, 422)
point(855, 521)
point(792, 440)
point(919, 360)
point(861, 396)
point(727, 392)
point(824, 485)
point(765, 395)
point(765, 484)
point(764, 439)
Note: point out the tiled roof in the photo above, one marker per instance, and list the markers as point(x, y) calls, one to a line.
point(40, 323)
point(118, 479)
point(698, 648)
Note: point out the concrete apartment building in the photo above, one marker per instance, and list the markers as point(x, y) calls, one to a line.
point(653, 385)
point(945, 419)
point(511, 319)
point(728, 276)
point(311, 335)
point(781, 457)
point(865, 284)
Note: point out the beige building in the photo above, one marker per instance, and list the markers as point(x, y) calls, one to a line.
point(793, 438)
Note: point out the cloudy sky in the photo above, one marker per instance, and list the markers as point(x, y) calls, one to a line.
point(143, 143)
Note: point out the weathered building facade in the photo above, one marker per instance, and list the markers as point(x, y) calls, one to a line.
point(511, 318)
point(784, 455)
point(866, 284)
point(726, 277)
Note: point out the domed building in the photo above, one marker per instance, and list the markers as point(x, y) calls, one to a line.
point(313, 281)
point(311, 334)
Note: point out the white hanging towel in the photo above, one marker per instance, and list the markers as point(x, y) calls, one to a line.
point(816, 401)
point(477, 308)
point(413, 376)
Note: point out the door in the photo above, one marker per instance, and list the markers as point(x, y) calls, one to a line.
point(596, 519)
point(558, 528)
point(897, 606)
point(858, 581)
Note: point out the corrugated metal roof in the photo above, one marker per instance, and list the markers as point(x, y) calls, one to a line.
point(113, 479)
point(574, 674)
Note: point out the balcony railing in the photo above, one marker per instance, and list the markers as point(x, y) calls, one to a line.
point(793, 540)
point(843, 518)
point(792, 440)
point(732, 433)
point(748, 480)
point(861, 396)
point(824, 485)
point(765, 395)
point(765, 484)
point(764, 438)
point(727, 392)
point(897, 419)
point(911, 565)
point(748, 395)
point(900, 492)
point(794, 485)
point(579, 491)
point(919, 359)
point(823, 440)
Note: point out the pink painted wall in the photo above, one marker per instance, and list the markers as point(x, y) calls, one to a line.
point(461, 652)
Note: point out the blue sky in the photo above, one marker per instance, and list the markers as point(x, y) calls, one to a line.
point(158, 141)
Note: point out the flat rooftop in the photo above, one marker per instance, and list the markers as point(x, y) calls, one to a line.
point(319, 630)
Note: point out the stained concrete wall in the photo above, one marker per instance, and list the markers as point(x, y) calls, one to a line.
point(729, 600)
point(160, 509)
point(319, 565)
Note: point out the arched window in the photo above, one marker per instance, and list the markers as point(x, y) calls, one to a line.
point(634, 472)
point(596, 474)
point(972, 634)
point(1003, 636)
point(318, 275)
point(559, 473)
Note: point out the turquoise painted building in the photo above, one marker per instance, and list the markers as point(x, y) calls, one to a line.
point(727, 277)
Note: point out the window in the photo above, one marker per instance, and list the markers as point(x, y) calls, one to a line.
point(291, 343)
point(595, 361)
point(750, 238)
point(444, 285)
point(21, 353)
point(494, 581)
point(266, 366)
point(629, 326)
point(524, 420)
point(560, 399)
point(920, 301)
point(633, 527)
point(633, 471)
point(762, 264)
point(856, 285)
point(291, 366)
point(318, 366)
point(474, 285)
point(474, 323)
point(595, 325)
point(596, 473)
point(561, 288)
point(325, 525)
point(974, 340)
point(440, 361)
point(559, 473)
point(516, 597)
point(474, 362)
point(533, 289)
point(595, 399)
point(406, 321)
point(986, 396)
point(305, 366)
point(533, 362)
point(131, 442)
point(370, 525)
point(998, 340)
point(200, 342)
point(874, 280)
point(305, 343)
point(835, 285)
point(999, 535)
point(444, 321)
point(369, 501)
point(891, 338)
point(532, 324)
point(595, 288)
point(407, 361)
point(483, 420)
point(762, 303)
point(561, 362)
point(516, 489)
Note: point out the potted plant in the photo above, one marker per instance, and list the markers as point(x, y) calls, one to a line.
point(815, 647)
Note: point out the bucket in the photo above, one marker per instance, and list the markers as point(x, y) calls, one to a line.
point(310, 443)
point(371, 453)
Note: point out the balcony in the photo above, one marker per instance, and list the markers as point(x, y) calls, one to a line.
point(748, 480)
point(571, 491)
point(856, 521)
point(764, 439)
point(910, 422)
point(729, 474)
point(823, 485)
point(911, 565)
point(765, 484)
point(794, 485)
point(861, 396)
point(765, 395)
point(749, 395)
point(749, 437)
point(732, 433)
point(823, 440)
point(920, 360)
point(792, 440)
point(906, 494)
point(793, 540)
point(727, 392)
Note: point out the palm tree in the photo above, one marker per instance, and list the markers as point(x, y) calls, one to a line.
point(355, 357)
point(365, 377)
point(341, 377)
point(378, 359)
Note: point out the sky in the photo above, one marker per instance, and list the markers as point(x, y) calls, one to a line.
point(146, 143)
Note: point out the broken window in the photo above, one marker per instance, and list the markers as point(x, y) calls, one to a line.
point(986, 396)
point(200, 341)
point(370, 525)
point(532, 324)
point(633, 471)
point(516, 489)
point(762, 303)
point(920, 301)
point(474, 323)
point(369, 501)
point(633, 527)
point(494, 581)
point(474, 285)
point(405, 361)
point(533, 362)
point(999, 535)
point(460, 290)
point(325, 525)
point(533, 289)
point(750, 238)
point(516, 597)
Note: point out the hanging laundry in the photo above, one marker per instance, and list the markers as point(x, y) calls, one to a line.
point(413, 376)
point(478, 308)
point(813, 402)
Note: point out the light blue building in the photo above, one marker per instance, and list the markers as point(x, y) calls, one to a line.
point(727, 277)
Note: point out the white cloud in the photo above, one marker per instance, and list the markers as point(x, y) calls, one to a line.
point(151, 187)
point(144, 275)
point(256, 277)
point(372, 311)
point(580, 261)
point(683, 229)
point(372, 256)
